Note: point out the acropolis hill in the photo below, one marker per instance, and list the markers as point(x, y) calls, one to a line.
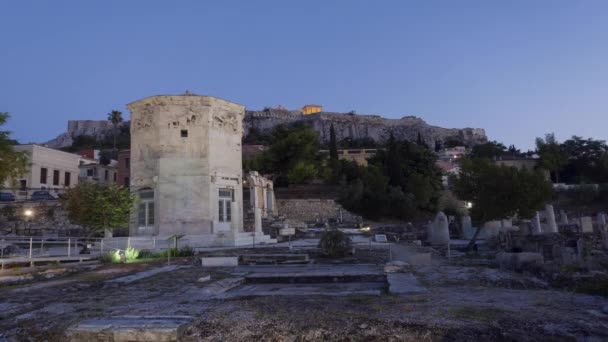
point(347, 125)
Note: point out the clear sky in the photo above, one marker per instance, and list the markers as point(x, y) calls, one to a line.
point(519, 69)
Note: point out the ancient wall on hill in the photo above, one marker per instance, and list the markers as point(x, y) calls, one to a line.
point(364, 126)
point(347, 125)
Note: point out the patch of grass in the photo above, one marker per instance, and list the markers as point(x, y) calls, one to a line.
point(569, 268)
point(596, 287)
point(417, 299)
point(360, 299)
point(474, 313)
point(542, 302)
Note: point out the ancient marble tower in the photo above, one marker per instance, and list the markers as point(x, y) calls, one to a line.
point(186, 169)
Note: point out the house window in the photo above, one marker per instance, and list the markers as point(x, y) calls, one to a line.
point(55, 177)
point(145, 217)
point(184, 133)
point(67, 178)
point(126, 181)
point(114, 177)
point(106, 175)
point(43, 175)
point(90, 172)
point(23, 184)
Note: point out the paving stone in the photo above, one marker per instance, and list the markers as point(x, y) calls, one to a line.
point(404, 283)
point(130, 328)
point(142, 275)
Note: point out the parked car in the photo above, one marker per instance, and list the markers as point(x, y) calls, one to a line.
point(6, 197)
point(42, 196)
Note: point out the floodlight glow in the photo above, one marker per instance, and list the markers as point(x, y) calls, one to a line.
point(28, 212)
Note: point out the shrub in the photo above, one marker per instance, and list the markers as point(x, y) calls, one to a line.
point(131, 254)
point(302, 173)
point(111, 257)
point(335, 243)
point(146, 254)
point(185, 251)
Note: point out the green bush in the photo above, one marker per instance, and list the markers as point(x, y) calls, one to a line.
point(131, 254)
point(185, 251)
point(302, 173)
point(147, 254)
point(335, 243)
point(111, 257)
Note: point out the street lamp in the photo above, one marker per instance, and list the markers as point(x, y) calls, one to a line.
point(28, 213)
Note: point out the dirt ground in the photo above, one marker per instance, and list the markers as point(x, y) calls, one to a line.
point(460, 304)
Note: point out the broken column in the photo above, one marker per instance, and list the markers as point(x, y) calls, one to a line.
point(586, 224)
point(550, 214)
point(467, 227)
point(492, 228)
point(439, 233)
point(536, 228)
point(235, 222)
point(601, 224)
point(257, 213)
point(563, 217)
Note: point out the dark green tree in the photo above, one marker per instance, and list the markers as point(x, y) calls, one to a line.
point(587, 160)
point(13, 164)
point(489, 150)
point(552, 156)
point(98, 207)
point(115, 117)
point(333, 146)
point(499, 192)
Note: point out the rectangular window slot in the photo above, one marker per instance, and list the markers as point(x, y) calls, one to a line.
point(184, 133)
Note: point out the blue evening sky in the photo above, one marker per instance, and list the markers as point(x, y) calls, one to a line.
point(519, 69)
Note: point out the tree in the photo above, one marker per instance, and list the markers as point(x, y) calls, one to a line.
point(587, 160)
point(401, 181)
point(412, 168)
point(333, 146)
point(302, 173)
point(499, 192)
point(13, 164)
point(552, 156)
point(489, 150)
point(98, 207)
point(116, 118)
point(453, 142)
point(290, 145)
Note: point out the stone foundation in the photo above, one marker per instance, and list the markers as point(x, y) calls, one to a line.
point(47, 219)
point(314, 210)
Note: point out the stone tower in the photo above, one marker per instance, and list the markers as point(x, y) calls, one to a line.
point(186, 168)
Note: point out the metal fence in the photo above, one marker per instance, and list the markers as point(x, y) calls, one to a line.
point(33, 249)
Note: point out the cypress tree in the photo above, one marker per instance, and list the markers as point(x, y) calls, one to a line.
point(333, 146)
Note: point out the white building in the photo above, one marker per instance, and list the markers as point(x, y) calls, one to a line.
point(452, 153)
point(98, 173)
point(49, 169)
point(186, 168)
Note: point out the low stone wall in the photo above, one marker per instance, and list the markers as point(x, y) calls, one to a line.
point(47, 219)
point(314, 210)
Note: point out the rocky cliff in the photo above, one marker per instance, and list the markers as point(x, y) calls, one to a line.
point(358, 126)
point(95, 128)
point(355, 126)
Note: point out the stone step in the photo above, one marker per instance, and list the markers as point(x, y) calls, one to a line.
point(130, 328)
